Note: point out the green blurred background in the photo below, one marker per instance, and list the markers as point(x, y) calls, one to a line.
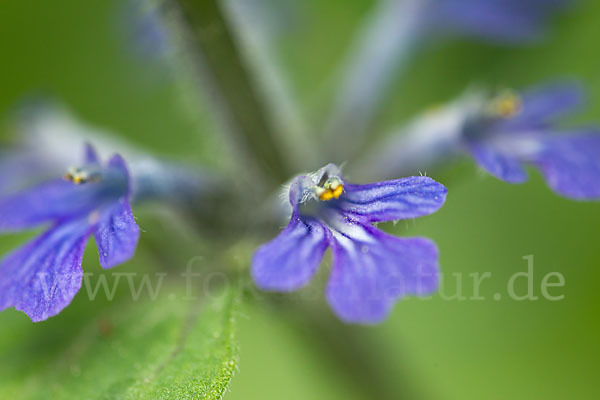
point(79, 52)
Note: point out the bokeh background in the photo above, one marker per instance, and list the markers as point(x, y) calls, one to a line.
point(84, 53)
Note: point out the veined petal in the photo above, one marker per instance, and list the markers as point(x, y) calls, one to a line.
point(571, 165)
point(42, 277)
point(371, 270)
point(50, 201)
point(503, 166)
point(117, 234)
point(289, 261)
point(393, 200)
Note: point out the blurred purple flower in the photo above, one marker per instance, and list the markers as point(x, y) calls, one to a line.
point(518, 129)
point(143, 28)
point(510, 21)
point(371, 269)
point(393, 33)
point(503, 133)
point(42, 277)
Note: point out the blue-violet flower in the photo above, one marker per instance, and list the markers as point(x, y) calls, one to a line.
point(518, 129)
point(42, 277)
point(503, 133)
point(371, 269)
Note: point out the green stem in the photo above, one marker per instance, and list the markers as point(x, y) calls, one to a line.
point(228, 78)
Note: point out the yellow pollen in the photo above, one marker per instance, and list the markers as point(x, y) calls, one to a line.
point(79, 176)
point(506, 105)
point(338, 191)
point(326, 195)
point(329, 194)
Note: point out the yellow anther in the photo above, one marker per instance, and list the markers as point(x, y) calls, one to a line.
point(338, 191)
point(326, 195)
point(506, 105)
point(329, 194)
point(79, 176)
point(331, 188)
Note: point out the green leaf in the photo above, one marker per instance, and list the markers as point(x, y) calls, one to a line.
point(169, 348)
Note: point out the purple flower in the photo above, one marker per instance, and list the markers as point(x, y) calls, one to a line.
point(514, 130)
point(371, 269)
point(142, 25)
point(496, 20)
point(42, 277)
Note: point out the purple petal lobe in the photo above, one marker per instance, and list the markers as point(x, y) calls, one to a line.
point(117, 162)
point(289, 261)
point(42, 277)
point(503, 166)
point(116, 235)
point(542, 105)
point(393, 200)
point(371, 270)
point(91, 155)
point(118, 167)
point(53, 200)
point(571, 165)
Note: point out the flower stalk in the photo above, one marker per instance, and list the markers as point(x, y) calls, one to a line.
point(221, 66)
